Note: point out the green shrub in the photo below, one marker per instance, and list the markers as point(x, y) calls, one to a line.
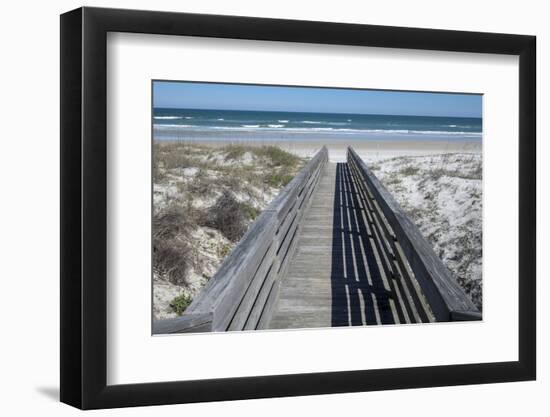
point(250, 211)
point(180, 303)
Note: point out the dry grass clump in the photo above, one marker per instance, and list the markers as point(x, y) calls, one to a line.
point(471, 167)
point(172, 221)
point(173, 259)
point(202, 184)
point(282, 165)
point(178, 155)
point(278, 156)
point(393, 180)
point(277, 179)
point(233, 152)
point(228, 216)
point(474, 174)
point(408, 170)
point(172, 254)
point(279, 166)
point(173, 160)
point(273, 155)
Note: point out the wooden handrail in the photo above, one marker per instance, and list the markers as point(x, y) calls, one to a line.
point(446, 298)
point(242, 293)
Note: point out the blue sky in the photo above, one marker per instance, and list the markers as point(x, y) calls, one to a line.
point(187, 95)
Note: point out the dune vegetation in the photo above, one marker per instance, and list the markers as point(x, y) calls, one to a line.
point(204, 199)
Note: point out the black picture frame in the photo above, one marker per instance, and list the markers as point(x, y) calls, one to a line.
point(84, 207)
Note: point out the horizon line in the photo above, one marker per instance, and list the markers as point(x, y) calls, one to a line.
point(311, 112)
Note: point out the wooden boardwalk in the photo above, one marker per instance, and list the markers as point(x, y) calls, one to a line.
point(334, 248)
point(343, 271)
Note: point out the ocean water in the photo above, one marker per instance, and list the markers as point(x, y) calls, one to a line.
point(170, 124)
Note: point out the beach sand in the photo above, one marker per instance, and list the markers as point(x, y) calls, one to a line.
point(368, 150)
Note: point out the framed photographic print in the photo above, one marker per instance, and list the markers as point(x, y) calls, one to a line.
point(258, 207)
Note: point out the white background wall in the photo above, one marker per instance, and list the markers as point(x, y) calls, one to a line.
point(29, 237)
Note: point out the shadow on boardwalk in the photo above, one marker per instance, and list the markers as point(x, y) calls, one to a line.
point(363, 289)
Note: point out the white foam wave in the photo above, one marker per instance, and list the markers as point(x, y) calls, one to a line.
point(309, 122)
point(444, 132)
point(167, 117)
point(172, 126)
point(282, 128)
point(282, 121)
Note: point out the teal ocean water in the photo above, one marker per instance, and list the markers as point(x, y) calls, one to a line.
point(170, 124)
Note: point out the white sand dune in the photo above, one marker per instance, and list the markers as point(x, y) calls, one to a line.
point(442, 194)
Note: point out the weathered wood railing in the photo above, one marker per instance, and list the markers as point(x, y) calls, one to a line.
point(241, 295)
point(447, 300)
